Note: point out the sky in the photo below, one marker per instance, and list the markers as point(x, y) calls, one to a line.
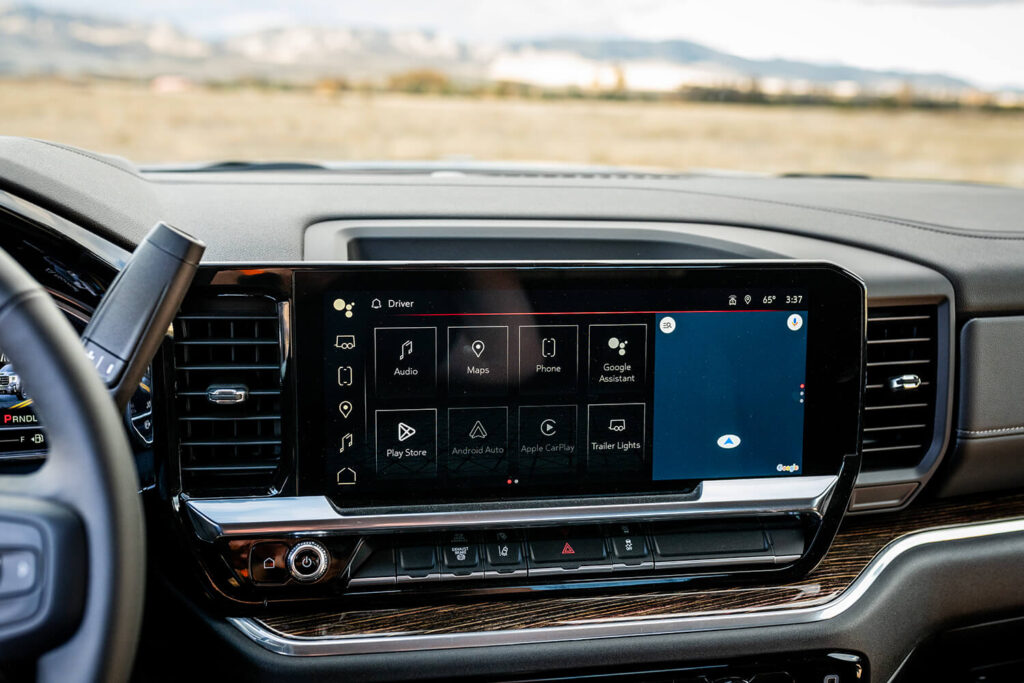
point(977, 40)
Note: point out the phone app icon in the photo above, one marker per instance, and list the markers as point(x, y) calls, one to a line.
point(548, 347)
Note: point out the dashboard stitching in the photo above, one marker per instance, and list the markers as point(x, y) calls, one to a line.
point(1015, 236)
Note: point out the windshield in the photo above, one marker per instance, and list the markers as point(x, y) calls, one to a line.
point(917, 89)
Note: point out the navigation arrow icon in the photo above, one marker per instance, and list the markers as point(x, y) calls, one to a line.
point(728, 441)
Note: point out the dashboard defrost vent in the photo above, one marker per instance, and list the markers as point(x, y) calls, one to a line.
point(227, 359)
point(899, 396)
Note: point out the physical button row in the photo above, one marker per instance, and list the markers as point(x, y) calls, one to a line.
point(580, 550)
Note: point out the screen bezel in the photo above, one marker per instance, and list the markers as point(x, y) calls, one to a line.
point(836, 309)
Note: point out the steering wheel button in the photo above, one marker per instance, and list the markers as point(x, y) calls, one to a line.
point(18, 572)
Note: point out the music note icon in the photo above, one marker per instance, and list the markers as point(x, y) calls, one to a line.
point(406, 349)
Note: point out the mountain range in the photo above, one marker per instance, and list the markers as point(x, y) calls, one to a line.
point(35, 41)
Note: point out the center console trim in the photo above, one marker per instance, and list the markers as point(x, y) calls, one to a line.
point(231, 517)
point(295, 646)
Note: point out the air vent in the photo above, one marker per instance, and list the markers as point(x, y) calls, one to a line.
point(228, 368)
point(899, 397)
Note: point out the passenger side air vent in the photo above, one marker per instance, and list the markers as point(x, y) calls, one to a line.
point(227, 359)
point(899, 396)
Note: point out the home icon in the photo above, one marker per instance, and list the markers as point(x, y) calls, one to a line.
point(375, 303)
point(269, 563)
point(346, 476)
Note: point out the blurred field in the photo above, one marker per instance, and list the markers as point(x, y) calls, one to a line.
point(252, 124)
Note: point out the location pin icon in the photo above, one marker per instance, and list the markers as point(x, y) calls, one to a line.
point(346, 408)
point(478, 348)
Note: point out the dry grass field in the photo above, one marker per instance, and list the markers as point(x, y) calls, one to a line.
point(202, 124)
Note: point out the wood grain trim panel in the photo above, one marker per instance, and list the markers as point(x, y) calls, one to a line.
point(857, 543)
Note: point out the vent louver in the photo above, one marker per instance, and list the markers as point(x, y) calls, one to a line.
point(228, 369)
point(899, 395)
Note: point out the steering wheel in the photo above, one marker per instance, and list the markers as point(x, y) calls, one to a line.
point(72, 537)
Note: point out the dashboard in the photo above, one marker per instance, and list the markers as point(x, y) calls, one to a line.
point(546, 428)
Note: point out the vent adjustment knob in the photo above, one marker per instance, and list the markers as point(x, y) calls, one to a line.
point(905, 383)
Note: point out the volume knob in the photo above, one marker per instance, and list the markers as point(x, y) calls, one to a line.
point(308, 561)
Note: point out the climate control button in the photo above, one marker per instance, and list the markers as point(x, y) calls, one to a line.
point(308, 561)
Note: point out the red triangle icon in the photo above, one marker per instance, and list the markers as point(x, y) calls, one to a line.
point(567, 550)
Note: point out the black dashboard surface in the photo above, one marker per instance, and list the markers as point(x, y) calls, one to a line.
point(970, 233)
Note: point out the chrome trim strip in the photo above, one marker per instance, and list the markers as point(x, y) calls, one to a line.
point(620, 628)
point(622, 567)
point(218, 518)
point(284, 335)
point(763, 559)
point(584, 570)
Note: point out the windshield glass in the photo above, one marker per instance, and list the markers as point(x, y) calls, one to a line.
point(919, 89)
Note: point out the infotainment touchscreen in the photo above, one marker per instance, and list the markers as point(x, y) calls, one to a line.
point(441, 383)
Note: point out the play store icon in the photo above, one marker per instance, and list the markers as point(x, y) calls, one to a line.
point(405, 432)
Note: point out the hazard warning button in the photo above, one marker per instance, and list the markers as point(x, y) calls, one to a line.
point(569, 547)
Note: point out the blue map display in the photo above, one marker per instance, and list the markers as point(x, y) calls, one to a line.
point(728, 394)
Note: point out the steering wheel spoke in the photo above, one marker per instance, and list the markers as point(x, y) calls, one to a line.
point(42, 569)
